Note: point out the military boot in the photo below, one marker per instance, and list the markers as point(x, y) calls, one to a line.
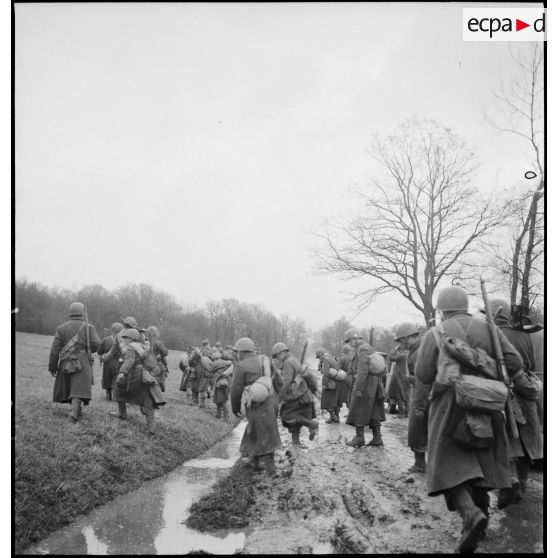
point(109, 395)
point(507, 496)
point(255, 462)
point(269, 464)
point(336, 415)
point(225, 413)
point(358, 440)
point(481, 499)
point(121, 414)
point(219, 408)
point(419, 465)
point(376, 436)
point(474, 520)
point(313, 427)
point(331, 417)
point(75, 405)
point(522, 465)
point(149, 421)
point(295, 434)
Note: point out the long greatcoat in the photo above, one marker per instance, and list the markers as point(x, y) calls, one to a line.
point(527, 392)
point(200, 376)
point(78, 384)
point(363, 410)
point(329, 385)
point(220, 392)
point(399, 385)
point(450, 465)
point(161, 352)
point(110, 368)
point(344, 388)
point(296, 398)
point(262, 434)
point(131, 389)
point(418, 398)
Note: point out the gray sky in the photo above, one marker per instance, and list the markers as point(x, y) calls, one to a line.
point(193, 146)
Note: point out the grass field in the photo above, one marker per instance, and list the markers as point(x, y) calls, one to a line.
point(63, 470)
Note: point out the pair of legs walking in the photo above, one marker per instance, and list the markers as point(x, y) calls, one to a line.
point(359, 440)
point(264, 462)
point(294, 429)
point(223, 410)
point(333, 415)
point(147, 409)
point(75, 409)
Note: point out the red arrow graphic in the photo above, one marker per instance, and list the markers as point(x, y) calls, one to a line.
point(519, 25)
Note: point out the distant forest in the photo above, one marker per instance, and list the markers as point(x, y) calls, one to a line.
point(41, 309)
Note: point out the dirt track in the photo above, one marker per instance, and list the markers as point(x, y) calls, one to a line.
point(333, 499)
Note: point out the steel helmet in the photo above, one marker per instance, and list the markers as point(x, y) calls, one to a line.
point(495, 305)
point(404, 330)
point(215, 355)
point(347, 348)
point(76, 309)
point(130, 322)
point(245, 344)
point(205, 342)
point(320, 353)
point(116, 327)
point(352, 334)
point(278, 348)
point(131, 333)
point(452, 299)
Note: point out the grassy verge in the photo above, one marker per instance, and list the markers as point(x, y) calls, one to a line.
point(229, 503)
point(63, 470)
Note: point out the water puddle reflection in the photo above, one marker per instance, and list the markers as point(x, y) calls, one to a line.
point(150, 519)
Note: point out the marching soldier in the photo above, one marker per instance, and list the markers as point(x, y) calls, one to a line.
point(367, 407)
point(399, 385)
point(345, 364)
point(297, 407)
point(201, 376)
point(69, 362)
point(160, 352)
point(526, 389)
point(116, 353)
point(221, 384)
point(463, 476)
point(134, 383)
point(329, 385)
point(409, 338)
point(206, 349)
point(110, 369)
point(261, 438)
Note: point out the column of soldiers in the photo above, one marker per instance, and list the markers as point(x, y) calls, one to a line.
point(463, 474)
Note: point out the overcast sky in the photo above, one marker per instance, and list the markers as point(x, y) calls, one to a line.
point(193, 147)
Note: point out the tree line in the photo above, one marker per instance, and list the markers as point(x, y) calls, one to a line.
point(41, 309)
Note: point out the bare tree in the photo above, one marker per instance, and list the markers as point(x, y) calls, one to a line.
point(520, 112)
point(418, 223)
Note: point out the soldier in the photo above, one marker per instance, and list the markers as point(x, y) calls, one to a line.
point(160, 352)
point(526, 389)
point(329, 385)
point(366, 406)
point(297, 407)
point(228, 353)
point(409, 338)
point(201, 365)
point(463, 476)
point(115, 352)
point(110, 369)
point(399, 384)
point(221, 384)
point(261, 438)
point(345, 364)
point(134, 383)
point(69, 362)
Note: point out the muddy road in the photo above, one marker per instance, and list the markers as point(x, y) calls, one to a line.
point(334, 499)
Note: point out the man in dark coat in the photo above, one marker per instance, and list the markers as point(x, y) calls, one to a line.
point(463, 476)
point(261, 438)
point(329, 385)
point(69, 362)
point(345, 364)
point(399, 385)
point(160, 352)
point(526, 389)
point(201, 374)
point(110, 368)
point(418, 399)
point(134, 384)
point(297, 401)
point(367, 401)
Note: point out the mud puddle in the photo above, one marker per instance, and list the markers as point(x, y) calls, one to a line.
point(150, 520)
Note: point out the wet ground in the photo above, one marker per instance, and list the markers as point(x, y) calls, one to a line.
point(333, 498)
point(150, 520)
point(330, 498)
